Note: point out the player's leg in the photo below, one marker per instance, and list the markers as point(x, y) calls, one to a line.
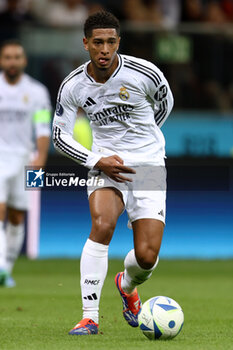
point(15, 233)
point(142, 260)
point(4, 190)
point(17, 205)
point(3, 271)
point(139, 264)
point(146, 208)
point(13, 194)
point(105, 207)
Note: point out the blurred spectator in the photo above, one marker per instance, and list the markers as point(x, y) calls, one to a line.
point(12, 17)
point(219, 11)
point(142, 11)
point(23, 5)
point(115, 7)
point(227, 6)
point(211, 76)
point(94, 6)
point(62, 13)
point(171, 12)
point(214, 12)
point(211, 11)
point(166, 13)
point(192, 10)
point(2, 5)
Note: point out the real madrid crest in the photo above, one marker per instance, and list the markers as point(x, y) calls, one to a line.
point(124, 95)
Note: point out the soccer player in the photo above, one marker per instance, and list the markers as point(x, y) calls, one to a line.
point(24, 108)
point(127, 99)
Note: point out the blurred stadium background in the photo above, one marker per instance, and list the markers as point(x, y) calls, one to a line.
point(192, 42)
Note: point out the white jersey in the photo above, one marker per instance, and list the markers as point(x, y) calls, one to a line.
point(125, 113)
point(24, 107)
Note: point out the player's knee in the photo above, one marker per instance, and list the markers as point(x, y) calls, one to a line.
point(146, 258)
point(16, 217)
point(16, 221)
point(102, 230)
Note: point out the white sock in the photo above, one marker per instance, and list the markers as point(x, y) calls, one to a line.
point(133, 273)
point(2, 246)
point(93, 267)
point(14, 242)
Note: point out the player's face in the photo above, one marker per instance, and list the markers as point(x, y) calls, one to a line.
point(12, 61)
point(102, 47)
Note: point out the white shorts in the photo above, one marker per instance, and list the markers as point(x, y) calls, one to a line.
point(12, 181)
point(143, 198)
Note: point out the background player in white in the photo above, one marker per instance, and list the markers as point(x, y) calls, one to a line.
point(127, 100)
point(24, 108)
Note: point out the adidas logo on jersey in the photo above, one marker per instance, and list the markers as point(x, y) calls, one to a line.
point(91, 297)
point(89, 102)
point(161, 213)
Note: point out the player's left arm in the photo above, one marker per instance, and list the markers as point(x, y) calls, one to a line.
point(42, 144)
point(42, 125)
point(159, 91)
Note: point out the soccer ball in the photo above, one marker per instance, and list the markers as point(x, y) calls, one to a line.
point(161, 318)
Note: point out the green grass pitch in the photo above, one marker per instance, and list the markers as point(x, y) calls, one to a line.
point(45, 305)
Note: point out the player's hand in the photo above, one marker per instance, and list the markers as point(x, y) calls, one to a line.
point(38, 163)
point(113, 166)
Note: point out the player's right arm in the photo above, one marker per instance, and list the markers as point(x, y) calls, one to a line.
point(113, 167)
point(63, 125)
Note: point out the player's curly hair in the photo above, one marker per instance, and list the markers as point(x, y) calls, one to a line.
point(101, 19)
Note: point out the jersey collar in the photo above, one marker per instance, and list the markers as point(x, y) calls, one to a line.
point(113, 74)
